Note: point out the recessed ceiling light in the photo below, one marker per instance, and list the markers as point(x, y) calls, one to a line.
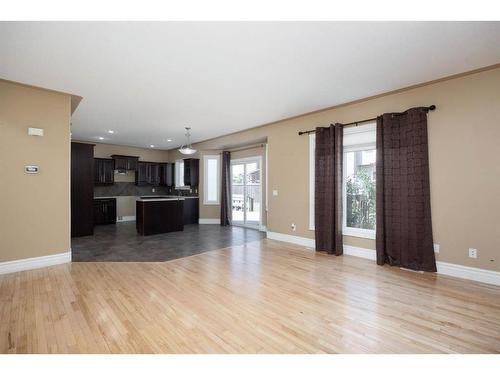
point(111, 131)
point(151, 145)
point(101, 138)
point(169, 140)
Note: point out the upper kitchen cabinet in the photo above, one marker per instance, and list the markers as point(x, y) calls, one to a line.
point(104, 171)
point(191, 172)
point(125, 163)
point(167, 174)
point(147, 173)
point(153, 174)
point(141, 173)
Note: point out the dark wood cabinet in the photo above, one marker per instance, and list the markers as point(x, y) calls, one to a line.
point(153, 217)
point(167, 174)
point(125, 163)
point(191, 210)
point(104, 211)
point(82, 189)
point(153, 174)
point(191, 172)
point(104, 170)
point(141, 173)
point(147, 173)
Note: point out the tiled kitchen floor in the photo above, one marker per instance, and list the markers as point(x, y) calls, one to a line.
point(121, 243)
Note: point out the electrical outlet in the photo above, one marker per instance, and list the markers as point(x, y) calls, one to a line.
point(436, 248)
point(294, 227)
point(153, 190)
point(472, 253)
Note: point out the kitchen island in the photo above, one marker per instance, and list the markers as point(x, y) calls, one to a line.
point(159, 214)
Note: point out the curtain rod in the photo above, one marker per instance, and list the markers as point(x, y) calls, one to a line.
point(355, 123)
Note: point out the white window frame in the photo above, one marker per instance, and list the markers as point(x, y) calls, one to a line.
point(179, 183)
point(206, 158)
point(246, 160)
point(265, 185)
point(346, 231)
point(369, 127)
point(312, 157)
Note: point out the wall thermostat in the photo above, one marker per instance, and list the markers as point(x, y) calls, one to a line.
point(31, 169)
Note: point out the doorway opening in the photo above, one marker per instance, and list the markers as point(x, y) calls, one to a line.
point(246, 192)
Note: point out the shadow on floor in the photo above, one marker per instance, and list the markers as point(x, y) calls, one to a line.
point(121, 243)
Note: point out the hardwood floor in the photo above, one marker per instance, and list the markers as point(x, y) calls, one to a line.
point(260, 297)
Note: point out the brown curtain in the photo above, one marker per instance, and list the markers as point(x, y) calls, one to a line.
point(225, 199)
point(404, 228)
point(328, 189)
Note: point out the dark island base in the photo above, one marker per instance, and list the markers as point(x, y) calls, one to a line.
point(161, 216)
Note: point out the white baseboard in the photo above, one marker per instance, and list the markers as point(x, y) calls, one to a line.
point(302, 241)
point(443, 268)
point(32, 263)
point(125, 218)
point(360, 252)
point(469, 273)
point(208, 221)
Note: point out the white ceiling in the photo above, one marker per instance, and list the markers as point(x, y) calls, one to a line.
point(147, 81)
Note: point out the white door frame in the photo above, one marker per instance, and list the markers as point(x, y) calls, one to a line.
point(243, 161)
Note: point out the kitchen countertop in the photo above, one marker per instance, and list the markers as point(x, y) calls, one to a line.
point(159, 199)
point(152, 198)
point(171, 197)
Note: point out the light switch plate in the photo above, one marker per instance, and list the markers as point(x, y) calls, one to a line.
point(275, 193)
point(35, 131)
point(436, 248)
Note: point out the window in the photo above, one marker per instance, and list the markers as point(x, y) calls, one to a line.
point(179, 174)
point(211, 181)
point(358, 181)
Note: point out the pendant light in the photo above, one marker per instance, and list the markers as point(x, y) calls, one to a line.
point(187, 149)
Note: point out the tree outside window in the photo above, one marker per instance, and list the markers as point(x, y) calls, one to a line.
point(360, 189)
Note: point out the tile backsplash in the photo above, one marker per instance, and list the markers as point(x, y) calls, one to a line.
point(130, 189)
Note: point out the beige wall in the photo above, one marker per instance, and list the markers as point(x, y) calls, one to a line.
point(125, 206)
point(464, 133)
point(35, 209)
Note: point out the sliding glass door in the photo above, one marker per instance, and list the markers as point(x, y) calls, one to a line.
point(246, 190)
